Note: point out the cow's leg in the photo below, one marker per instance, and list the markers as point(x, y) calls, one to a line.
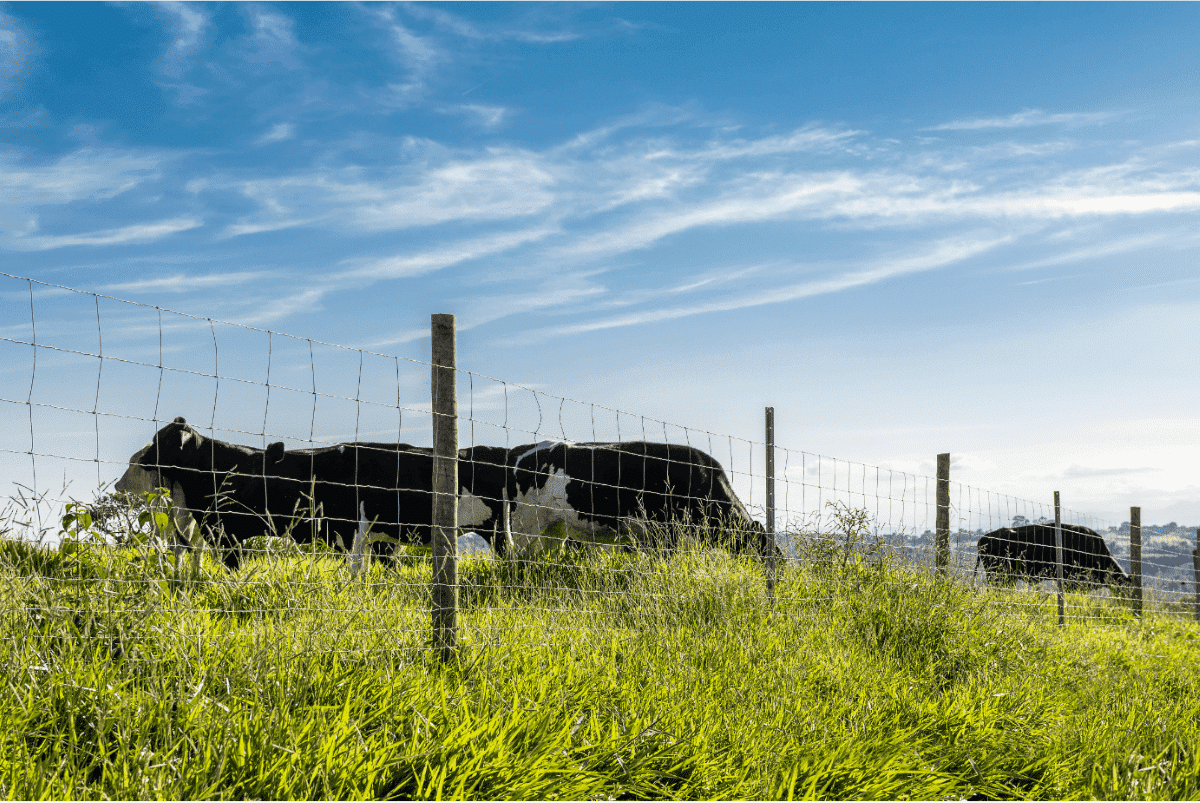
point(360, 540)
point(502, 543)
point(506, 525)
point(182, 532)
point(186, 533)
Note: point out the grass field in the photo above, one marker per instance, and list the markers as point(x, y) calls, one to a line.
point(599, 675)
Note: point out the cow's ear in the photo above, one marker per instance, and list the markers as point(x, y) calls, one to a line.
point(275, 452)
point(189, 440)
point(180, 419)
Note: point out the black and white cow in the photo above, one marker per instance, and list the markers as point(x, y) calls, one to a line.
point(240, 492)
point(1028, 553)
point(606, 492)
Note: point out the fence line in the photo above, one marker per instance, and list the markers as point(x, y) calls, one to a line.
point(817, 497)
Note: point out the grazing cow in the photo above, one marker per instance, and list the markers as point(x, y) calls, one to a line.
point(606, 492)
point(1028, 553)
point(241, 492)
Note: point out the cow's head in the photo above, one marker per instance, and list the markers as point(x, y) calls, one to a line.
point(1116, 575)
point(175, 445)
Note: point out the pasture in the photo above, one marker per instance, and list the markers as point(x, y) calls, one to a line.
point(592, 675)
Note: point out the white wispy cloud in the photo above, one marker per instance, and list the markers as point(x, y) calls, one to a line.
point(185, 283)
point(766, 199)
point(810, 137)
point(34, 118)
point(277, 308)
point(1052, 279)
point(419, 55)
point(86, 173)
point(602, 199)
point(941, 255)
point(427, 261)
point(554, 291)
point(458, 26)
point(1018, 150)
point(702, 282)
point(278, 133)
point(240, 229)
point(187, 23)
point(15, 50)
point(1025, 118)
point(272, 41)
point(487, 116)
point(125, 235)
point(396, 340)
point(580, 205)
point(1098, 251)
point(499, 185)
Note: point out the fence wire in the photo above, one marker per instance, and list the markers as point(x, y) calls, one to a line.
point(298, 506)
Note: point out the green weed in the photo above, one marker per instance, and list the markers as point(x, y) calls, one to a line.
point(591, 674)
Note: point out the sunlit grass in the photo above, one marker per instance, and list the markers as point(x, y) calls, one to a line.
point(592, 674)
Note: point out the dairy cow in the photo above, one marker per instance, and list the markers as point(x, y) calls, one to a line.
point(1028, 553)
point(609, 492)
point(239, 492)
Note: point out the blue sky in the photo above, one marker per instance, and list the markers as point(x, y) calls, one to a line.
point(909, 228)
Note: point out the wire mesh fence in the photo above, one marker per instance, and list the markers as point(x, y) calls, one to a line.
point(275, 492)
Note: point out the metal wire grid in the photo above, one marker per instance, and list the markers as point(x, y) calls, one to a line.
point(901, 512)
point(900, 505)
point(817, 480)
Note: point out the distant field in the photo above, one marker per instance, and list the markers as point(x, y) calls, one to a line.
point(597, 676)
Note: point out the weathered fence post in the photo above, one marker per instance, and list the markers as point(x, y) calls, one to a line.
point(445, 487)
point(1196, 571)
point(1135, 557)
point(942, 548)
point(772, 566)
point(1058, 556)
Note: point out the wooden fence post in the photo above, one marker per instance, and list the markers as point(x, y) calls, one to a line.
point(942, 548)
point(1196, 570)
point(772, 566)
point(1135, 557)
point(445, 487)
point(1058, 556)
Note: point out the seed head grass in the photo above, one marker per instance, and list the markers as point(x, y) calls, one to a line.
point(589, 674)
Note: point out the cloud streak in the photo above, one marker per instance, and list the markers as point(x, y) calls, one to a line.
point(184, 283)
point(1026, 118)
point(278, 133)
point(943, 254)
point(418, 264)
point(499, 186)
point(126, 235)
point(15, 50)
point(617, 198)
point(87, 173)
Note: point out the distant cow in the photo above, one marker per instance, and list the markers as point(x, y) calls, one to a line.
point(242, 492)
point(1028, 553)
point(605, 492)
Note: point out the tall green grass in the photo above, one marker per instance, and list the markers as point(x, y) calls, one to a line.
point(593, 674)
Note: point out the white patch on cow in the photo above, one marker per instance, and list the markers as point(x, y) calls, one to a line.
point(473, 544)
point(505, 524)
point(538, 508)
point(472, 512)
point(360, 540)
point(540, 447)
point(341, 448)
point(184, 437)
point(542, 518)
